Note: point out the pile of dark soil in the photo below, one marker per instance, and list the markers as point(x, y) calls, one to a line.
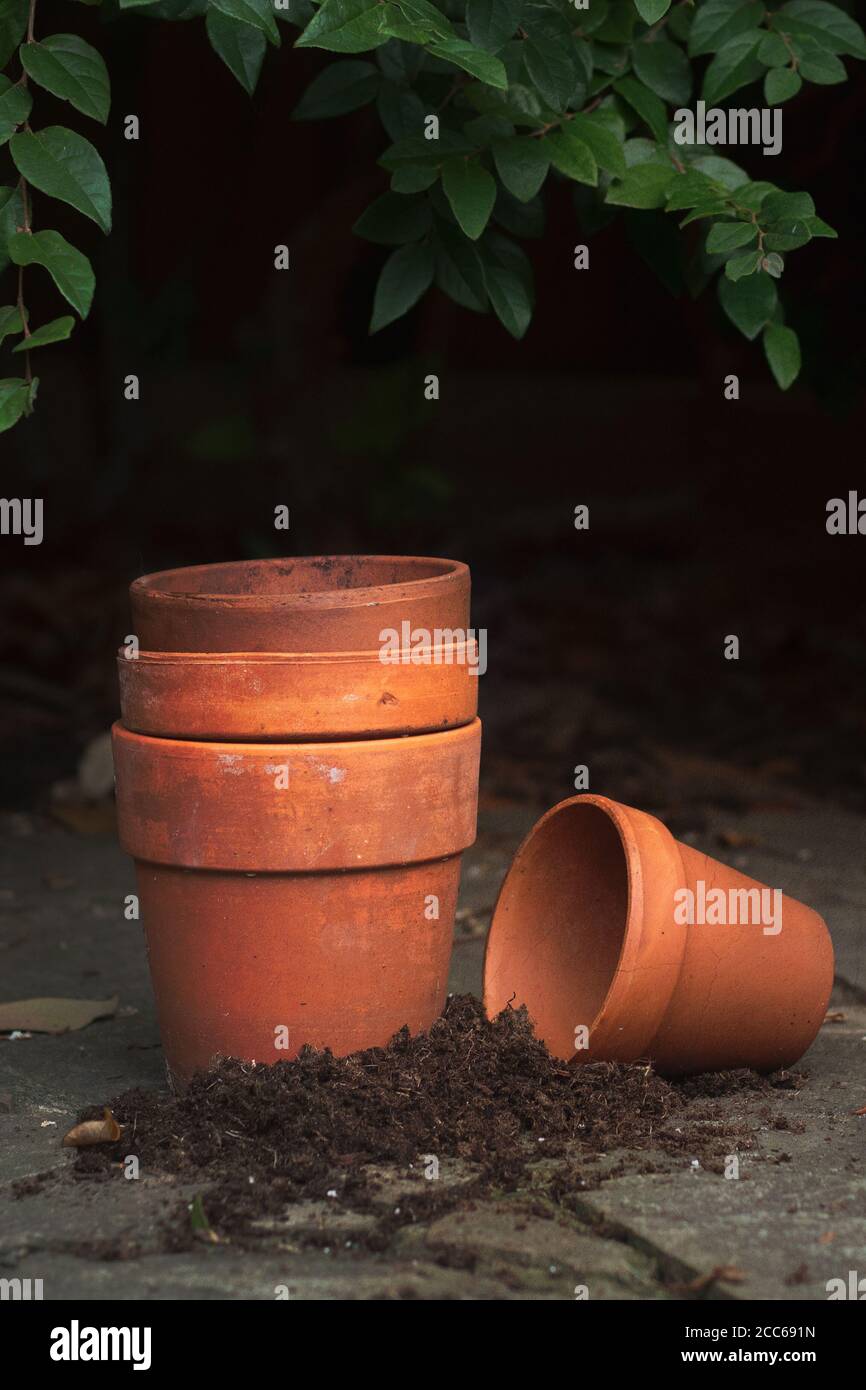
point(488, 1093)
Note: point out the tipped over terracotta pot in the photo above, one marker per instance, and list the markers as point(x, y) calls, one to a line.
point(295, 893)
point(319, 603)
point(625, 944)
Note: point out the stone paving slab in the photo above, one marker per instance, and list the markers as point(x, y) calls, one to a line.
point(796, 1216)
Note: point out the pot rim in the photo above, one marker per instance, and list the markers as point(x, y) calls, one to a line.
point(629, 1016)
point(149, 587)
point(211, 748)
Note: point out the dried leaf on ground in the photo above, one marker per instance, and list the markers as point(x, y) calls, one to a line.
point(104, 1131)
point(53, 1015)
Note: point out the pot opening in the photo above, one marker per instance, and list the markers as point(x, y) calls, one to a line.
point(559, 925)
point(305, 574)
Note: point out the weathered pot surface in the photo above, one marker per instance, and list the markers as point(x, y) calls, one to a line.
point(337, 603)
point(260, 696)
point(296, 893)
point(591, 933)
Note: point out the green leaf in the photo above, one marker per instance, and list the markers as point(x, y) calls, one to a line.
point(393, 220)
point(572, 157)
point(606, 148)
point(644, 186)
point(787, 205)
point(69, 269)
point(492, 23)
point(14, 400)
point(738, 267)
point(13, 25)
point(788, 234)
point(825, 69)
point(341, 87)
point(549, 59)
point(413, 178)
point(651, 11)
point(664, 68)
point(458, 268)
point(714, 208)
point(773, 52)
point(691, 189)
point(344, 26)
point(818, 227)
point(749, 303)
point(519, 104)
point(619, 22)
point(15, 104)
point(780, 85)
point(405, 276)
point(782, 349)
point(719, 21)
point(829, 26)
point(258, 14)
point(53, 332)
point(11, 218)
point(426, 16)
point(722, 171)
point(507, 279)
point(473, 60)
point(727, 236)
point(751, 195)
point(10, 321)
point(733, 67)
point(773, 265)
point(69, 68)
point(401, 110)
point(240, 46)
point(393, 22)
point(417, 149)
point(522, 165)
point(612, 59)
point(471, 192)
point(646, 104)
point(66, 166)
point(594, 16)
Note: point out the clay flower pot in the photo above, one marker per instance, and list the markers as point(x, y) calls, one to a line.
point(590, 932)
point(295, 893)
point(290, 696)
point(330, 603)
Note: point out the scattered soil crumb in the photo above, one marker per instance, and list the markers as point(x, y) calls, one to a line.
point(259, 1138)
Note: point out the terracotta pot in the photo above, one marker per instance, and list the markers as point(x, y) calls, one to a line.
point(261, 695)
point(307, 887)
point(589, 932)
point(333, 603)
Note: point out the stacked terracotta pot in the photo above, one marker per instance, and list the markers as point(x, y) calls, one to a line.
point(296, 806)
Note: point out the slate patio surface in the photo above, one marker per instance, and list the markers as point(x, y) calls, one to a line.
point(793, 1221)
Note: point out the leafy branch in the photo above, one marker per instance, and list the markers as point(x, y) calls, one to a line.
point(483, 102)
point(54, 161)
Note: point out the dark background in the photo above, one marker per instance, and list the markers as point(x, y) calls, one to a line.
point(261, 387)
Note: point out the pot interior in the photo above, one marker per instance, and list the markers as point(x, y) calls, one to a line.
point(308, 574)
point(559, 925)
